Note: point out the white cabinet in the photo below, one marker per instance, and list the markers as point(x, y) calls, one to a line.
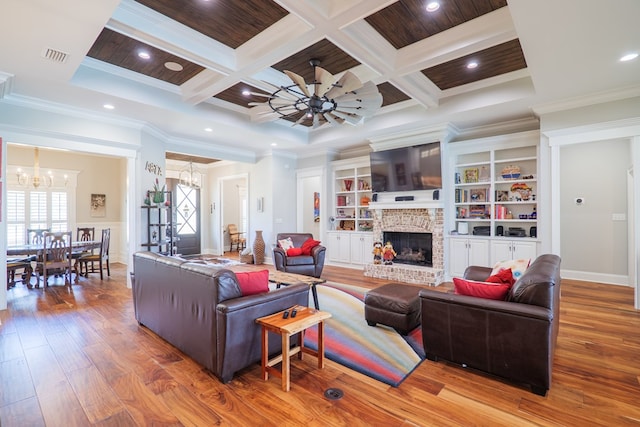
point(361, 248)
point(502, 250)
point(349, 247)
point(464, 252)
point(338, 246)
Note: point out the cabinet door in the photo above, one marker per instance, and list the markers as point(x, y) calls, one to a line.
point(338, 247)
point(479, 252)
point(524, 250)
point(501, 251)
point(361, 248)
point(458, 256)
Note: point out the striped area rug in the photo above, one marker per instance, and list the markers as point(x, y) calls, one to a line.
point(378, 352)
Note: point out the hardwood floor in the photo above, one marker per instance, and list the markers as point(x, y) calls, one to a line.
point(76, 356)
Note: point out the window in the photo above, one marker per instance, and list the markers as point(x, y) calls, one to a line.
point(35, 209)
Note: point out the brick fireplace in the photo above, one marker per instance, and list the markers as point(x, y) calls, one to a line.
point(413, 220)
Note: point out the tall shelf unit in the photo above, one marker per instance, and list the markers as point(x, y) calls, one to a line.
point(160, 222)
point(350, 240)
point(493, 208)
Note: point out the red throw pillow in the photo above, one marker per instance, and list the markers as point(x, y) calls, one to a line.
point(308, 245)
point(297, 252)
point(480, 289)
point(253, 282)
point(503, 276)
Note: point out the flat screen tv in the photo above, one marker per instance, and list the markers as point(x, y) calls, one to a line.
point(407, 169)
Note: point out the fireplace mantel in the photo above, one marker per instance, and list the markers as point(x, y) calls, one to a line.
point(417, 204)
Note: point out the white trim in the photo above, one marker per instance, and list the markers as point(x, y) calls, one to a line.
point(610, 279)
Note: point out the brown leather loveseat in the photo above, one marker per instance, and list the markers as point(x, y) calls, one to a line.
point(199, 309)
point(513, 339)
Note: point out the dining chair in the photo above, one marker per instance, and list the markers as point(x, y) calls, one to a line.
point(35, 236)
point(83, 234)
point(236, 238)
point(13, 265)
point(56, 257)
point(102, 258)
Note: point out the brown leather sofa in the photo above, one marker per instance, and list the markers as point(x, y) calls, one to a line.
point(199, 309)
point(514, 339)
point(309, 265)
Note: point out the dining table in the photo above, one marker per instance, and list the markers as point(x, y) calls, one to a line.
point(29, 250)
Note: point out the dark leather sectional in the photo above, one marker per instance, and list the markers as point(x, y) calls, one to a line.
point(513, 339)
point(199, 309)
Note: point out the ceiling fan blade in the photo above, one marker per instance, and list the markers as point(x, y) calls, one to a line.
point(351, 119)
point(299, 81)
point(347, 83)
point(316, 120)
point(324, 81)
point(332, 119)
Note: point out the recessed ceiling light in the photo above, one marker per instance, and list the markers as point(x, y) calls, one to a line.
point(173, 66)
point(274, 144)
point(109, 106)
point(246, 92)
point(629, 57)
point(144, 55)
point(432, 6)
point(208, 130)
point(471, 65)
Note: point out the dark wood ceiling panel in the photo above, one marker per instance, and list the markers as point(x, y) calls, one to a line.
point(407, 21)
point(332, 58)
point(235, 96)
point(231, 22)
point(494, 61)
point(189, 158)
point(122, 51)
point(391, 94)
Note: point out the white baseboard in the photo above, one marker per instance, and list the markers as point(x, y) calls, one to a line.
point(612, 279)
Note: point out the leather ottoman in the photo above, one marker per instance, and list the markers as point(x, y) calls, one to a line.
point(395, 305)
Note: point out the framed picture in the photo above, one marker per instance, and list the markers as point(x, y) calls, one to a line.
point(471, 175)
point(502, 196)
point(98, 205)
point(316, 207)
point(478, 194)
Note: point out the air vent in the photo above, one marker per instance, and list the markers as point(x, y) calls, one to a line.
point(55, 55)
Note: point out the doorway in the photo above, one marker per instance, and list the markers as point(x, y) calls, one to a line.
point(187, 215)
point(234, 198)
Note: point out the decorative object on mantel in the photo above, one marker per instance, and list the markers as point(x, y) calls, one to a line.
point(258, 248)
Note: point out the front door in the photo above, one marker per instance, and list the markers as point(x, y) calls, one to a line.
point(188, 219)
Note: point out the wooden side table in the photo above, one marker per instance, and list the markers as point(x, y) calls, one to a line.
point(305, 318)
point(281, 278)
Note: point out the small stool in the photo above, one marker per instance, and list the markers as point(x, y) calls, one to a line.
point(395, 305)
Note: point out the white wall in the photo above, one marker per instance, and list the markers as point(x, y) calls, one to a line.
point(591, 241)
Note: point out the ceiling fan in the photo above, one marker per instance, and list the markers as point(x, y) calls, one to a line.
point(325, 100)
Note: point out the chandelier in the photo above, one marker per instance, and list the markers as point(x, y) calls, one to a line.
point(190, 176)
point(323, 101)
point(36, 179)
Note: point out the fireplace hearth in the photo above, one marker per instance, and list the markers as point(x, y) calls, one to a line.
point(411, 248)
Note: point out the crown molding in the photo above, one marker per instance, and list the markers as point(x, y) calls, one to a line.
point(588, 100)
point(443, 132)
point(6, 84)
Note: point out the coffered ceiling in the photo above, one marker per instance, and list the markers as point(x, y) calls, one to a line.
point(181, 67)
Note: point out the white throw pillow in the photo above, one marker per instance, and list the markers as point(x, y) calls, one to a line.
point(517, 266)
point(286, 244)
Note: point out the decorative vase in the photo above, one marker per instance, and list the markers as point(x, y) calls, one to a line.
point(347, 184)
point(258, 248)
